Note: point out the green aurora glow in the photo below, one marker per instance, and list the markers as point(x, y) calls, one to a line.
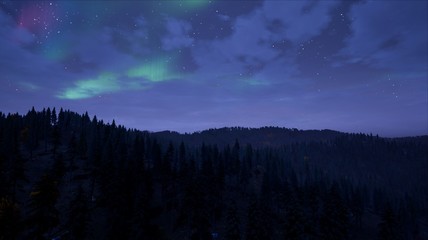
point(154, 71)
point(140, 77)
point(192, 4)
point(106, 82)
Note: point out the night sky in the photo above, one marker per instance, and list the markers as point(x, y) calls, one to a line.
point(353, 66)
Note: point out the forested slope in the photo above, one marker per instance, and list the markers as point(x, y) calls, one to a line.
point(67, 175)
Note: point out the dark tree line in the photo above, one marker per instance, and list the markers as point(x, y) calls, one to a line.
point(67, 175)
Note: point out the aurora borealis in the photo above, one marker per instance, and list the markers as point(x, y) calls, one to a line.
point(87, 88)
point(355, 66)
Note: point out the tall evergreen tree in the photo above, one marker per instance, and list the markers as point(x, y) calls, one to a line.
point(294, 219)
point(232, 231)
point(10, 219)
point(388, 227)
point(334, 221)
point(43, 215)
point(79, 215)
point(259, 221)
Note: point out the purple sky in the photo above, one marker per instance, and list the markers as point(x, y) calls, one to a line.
point(353, 66)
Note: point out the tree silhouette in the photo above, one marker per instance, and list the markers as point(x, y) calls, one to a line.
point(294, 220)
point(259, 221)
point(334, 219)
point(43, 214)
point(388, 227)
point(10, 219)
point(232, 231)
point(79, 215)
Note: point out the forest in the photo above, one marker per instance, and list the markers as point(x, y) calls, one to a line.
point(65, 175)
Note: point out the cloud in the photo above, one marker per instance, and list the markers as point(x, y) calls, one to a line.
point(135, 41)
point(390, 35)
point(98, 47)
point(224, 17)
point(298, 20)
point(20, 64)
point(228, 58)
point(22, 36)
point(178, 34)
point(29, 86)
point(252, 49)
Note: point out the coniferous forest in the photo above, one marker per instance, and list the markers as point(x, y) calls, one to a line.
point(69, 176)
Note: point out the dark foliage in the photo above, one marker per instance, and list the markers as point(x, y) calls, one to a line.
point(67, 176)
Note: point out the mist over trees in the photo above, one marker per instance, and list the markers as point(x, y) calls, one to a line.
point(68, 176)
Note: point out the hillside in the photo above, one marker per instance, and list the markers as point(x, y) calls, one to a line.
point(257, 137)
point(71, 177)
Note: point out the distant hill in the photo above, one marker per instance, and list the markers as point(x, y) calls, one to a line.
point(264, 136)
point(258, 137)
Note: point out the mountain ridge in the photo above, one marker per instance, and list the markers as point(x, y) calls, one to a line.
point(265, 136)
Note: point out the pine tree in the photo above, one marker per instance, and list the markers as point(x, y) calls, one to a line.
point(235, 158)
point(294, 221)
point(58, 168)
point(258, 224)
point(357, 207)
point(46, 126)
point(334, 219)
point(79, 215)
point(389, 228)
point(54, 117)
point(199, 223)
point(43, 214)
point(232, 223)
point(56, 138)
point(10, 219)
point(17, 171)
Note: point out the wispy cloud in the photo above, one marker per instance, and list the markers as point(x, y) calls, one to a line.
point(389, 35)
point(178, 34)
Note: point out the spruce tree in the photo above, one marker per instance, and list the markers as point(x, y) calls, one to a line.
point(259, 221)
point(388, 227)
point(43, 215)
point(10, 219)
point(334, 219)
point(79, 215)
point(232, 231)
